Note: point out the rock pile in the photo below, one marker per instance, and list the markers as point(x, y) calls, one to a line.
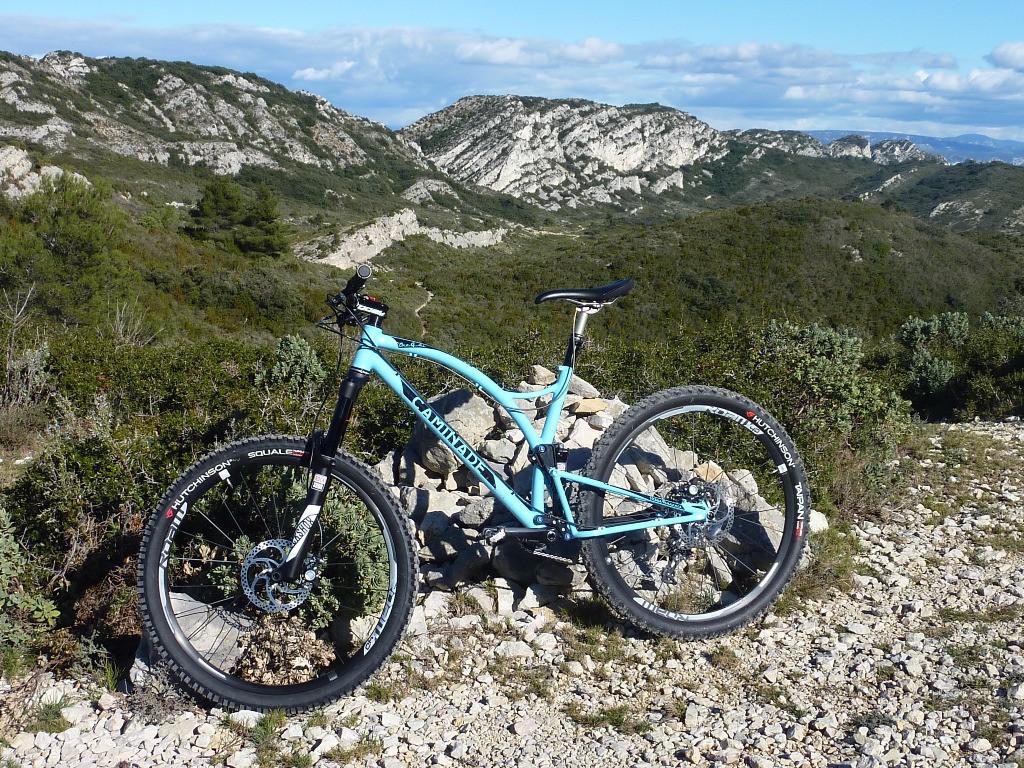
point(445, 500)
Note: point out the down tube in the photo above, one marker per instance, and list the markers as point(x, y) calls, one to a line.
point(372, 361)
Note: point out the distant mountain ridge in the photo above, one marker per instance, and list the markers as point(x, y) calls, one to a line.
point(468, 174)
point(572, 152)
point(565, 152)
point(177, 112)
point(956, 149)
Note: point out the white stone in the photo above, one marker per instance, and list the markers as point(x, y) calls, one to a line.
point(525, 726)
point(435, 604)
point(514, 649)
point(76, 713)
point(246, 718)
point(817, 521)
point(243, 758)
point(325, 745)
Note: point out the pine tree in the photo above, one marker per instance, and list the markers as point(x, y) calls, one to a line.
point(260, 230)
point(224, 216)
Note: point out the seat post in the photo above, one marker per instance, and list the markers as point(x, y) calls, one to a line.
point(583, 313)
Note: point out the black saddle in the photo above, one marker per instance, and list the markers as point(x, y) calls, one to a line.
point(605, 295)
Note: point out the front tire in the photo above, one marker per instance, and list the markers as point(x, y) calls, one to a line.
point(704, 579)
point(224, 628)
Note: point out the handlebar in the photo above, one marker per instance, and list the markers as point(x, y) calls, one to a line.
point(349, 294)
point(356, 282)
point(354, 308)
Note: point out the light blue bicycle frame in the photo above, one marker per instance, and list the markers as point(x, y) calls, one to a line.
point(531, 514)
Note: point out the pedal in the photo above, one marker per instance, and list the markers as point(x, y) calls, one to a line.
point(494, 535)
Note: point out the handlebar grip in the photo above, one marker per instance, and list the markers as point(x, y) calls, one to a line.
point(352, 287)
point(357, 281)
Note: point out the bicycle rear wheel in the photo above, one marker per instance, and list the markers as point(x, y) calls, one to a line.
point(231, 634)
point(703, 579)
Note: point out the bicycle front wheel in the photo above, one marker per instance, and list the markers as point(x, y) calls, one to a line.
point(703, 445)
point(225, 628)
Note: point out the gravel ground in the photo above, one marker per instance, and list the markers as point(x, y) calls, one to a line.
point(920, 662)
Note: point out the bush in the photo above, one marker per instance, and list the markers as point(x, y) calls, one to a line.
point(951, 369)
point(295, 364)
point(24, 608)
point(846, 421)
point(929, 375)
point(23, 394)
point(127, 421)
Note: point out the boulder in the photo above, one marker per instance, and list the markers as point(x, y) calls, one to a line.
point(514, 562)
point(471, 416)
point(541, 376)
point(477, 514)
point(471, 563)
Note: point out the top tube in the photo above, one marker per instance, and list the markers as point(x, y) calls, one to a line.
point(374, 340)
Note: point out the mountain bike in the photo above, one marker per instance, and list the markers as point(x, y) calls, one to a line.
point(279, 572)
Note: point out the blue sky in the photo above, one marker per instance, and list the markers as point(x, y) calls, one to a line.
point(939, 68)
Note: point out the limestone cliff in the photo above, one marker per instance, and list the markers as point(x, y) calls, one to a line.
point(566, 152)
point(174, 112)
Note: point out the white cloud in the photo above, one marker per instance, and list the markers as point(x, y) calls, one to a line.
point(398, 74)
point(501, 52)
point(333, 72)
point(1009, 56)
point(593, 50)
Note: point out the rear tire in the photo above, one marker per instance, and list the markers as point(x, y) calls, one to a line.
point(228, 632)
point(699, 580)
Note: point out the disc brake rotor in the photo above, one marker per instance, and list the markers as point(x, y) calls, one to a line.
point(264, 593)
point(684, 538)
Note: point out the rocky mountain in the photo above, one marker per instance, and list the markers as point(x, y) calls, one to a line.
point(954, 149)
point(367, 185)
point(565, 152)
point(883, 152)
point(792, 142)
point(576, 153)
point(179, 113)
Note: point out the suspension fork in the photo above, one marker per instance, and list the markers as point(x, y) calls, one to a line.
point(321, 450)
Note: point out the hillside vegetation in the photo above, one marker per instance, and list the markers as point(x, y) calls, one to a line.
point(854, 265)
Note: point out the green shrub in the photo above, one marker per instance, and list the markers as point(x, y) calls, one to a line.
point(25, 610)
point(296, 364)
point(951, 369)
point(929, 375)
point(126, 422)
